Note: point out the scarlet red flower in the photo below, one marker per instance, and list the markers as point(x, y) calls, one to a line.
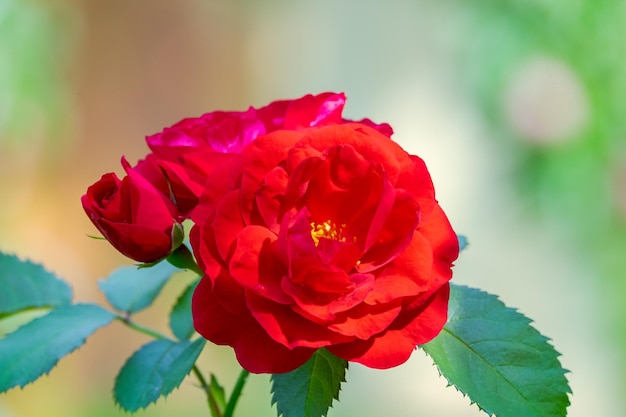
point(135, 217)
point(322, 237)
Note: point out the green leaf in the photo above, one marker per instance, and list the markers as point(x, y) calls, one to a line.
point(181, 321)
point(182, 258)
point(309, 391)
point(493, 355)
point(154, 371)
point(26, 285)
point(131, 289)
point(34, 349)
point(217, 398)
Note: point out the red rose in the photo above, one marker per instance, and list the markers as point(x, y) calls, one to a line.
point(322, 237)
point(135, 217)
point(191, 149)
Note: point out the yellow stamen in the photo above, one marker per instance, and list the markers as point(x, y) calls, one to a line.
point(327, 230)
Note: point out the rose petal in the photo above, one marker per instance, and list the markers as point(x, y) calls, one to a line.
point(184, 188)
point(344, 187)
point(212, 320)
point(270, 198)
point(314, 110)
point(424, 318)
point(391, 286)
point(228, 132)
point(227, 223)
point(395, 234)
point(323, 307)
point(444, 242)
point(255, 350)
point(202, 240)
point(147, 205)
point(103, 199)
point(298, 183)
point(273, 115)
point(258, 353)
point(138, 242)
point(379, 353)
point(254, 265)
point(289, 328)
point(394, 347)
point(372, 145)
point(415, 179)
point(365, 321)
point(256, 160)
point(212, 171)
point(176, 140)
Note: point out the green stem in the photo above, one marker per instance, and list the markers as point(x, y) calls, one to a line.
point(141, 329)
point(201, 379)
point(203, 383)
point(234, 397)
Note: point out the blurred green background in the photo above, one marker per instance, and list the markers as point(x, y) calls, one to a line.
point(517, 107)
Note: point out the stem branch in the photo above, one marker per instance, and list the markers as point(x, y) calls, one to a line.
point(203, 384)
point(141, 329)
point(234, 397)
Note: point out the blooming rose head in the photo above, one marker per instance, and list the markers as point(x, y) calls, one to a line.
point(322, 237)
point(133, 215)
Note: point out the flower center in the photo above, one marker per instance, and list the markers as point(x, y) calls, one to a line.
point(327, 230)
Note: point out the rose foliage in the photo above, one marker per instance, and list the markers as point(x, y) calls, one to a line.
point(317, 241)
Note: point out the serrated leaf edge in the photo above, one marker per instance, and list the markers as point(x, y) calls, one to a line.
point(26, 260)
point(162, 394)
point(529, 322)
point(342, 379)
point(55, 362)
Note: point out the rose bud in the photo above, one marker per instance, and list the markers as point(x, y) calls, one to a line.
point(134, 216)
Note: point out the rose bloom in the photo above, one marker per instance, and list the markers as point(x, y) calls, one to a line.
point(133, 215)
point(322, 237)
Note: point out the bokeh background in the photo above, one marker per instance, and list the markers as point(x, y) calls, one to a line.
point(517, 106)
